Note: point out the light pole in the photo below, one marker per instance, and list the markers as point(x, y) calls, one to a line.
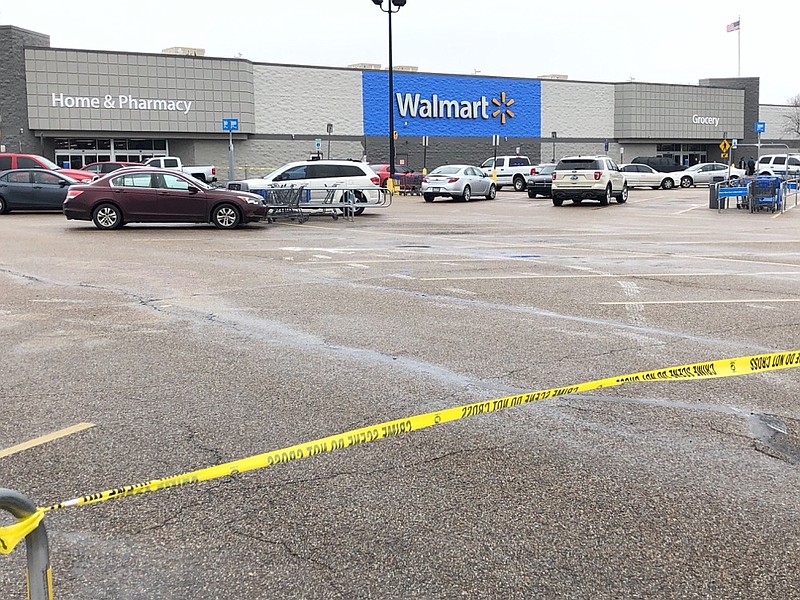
point(398, 4)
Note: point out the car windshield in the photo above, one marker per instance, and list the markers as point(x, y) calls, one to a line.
point(49, 163)
point(197, 183)
point(546, 170)
point(445, 170)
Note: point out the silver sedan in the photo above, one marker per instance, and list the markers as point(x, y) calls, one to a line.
point(458, 181)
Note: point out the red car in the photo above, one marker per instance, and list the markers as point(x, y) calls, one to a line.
point(407, 178)
point(151, 195)
point(12, 160)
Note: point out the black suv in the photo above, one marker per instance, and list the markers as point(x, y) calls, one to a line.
point(662, 164)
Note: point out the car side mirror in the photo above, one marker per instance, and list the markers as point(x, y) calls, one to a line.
point(63, 183)
point(192, 189)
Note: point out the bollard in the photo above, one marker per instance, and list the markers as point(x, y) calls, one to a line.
point(40, 578)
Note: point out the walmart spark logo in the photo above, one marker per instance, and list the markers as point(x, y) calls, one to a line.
point(503, 109)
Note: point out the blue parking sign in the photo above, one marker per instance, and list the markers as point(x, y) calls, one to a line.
point(230, 124)
point(760, 127)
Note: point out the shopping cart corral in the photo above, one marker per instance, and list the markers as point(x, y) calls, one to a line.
point(301, 202)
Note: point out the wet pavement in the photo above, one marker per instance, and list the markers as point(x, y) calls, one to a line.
point(187, 347)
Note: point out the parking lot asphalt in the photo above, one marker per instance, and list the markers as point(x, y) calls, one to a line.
point(185, 347)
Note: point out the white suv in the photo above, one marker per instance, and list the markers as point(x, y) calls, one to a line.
point(318, 176)
point(778, 164)
point(577, 178)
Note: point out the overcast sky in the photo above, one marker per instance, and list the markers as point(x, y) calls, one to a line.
point(678, 41)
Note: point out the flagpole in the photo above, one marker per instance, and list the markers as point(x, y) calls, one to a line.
point(739, 39)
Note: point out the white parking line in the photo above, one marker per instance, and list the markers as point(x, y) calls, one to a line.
point(610, 275)
point(741, 301)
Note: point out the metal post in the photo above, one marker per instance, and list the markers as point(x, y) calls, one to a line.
point(391, 105)
point(554, 134)
point(230, 155)
point(40, 578)
point(424, 154)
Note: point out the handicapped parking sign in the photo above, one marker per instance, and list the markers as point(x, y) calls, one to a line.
point(230, 124)
point(760, 127)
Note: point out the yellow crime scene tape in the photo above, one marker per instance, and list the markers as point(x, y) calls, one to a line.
point(743, 365)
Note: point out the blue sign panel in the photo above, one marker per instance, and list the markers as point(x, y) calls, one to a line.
point(230, 124)
point(732, 192)
point(452, 106)
point(760, 127)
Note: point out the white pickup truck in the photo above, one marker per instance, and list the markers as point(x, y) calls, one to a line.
point(207, 174)
point(511, 170)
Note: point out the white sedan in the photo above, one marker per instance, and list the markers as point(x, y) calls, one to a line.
point(458, 181)
point(705, 173)
point(639, 175)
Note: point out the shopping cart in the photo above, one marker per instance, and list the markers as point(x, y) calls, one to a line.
point(766, 194)
point(284, 203)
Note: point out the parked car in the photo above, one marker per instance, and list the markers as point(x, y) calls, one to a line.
point(101, 168)
point(319, 176)
point(639, 175)
point(33, 189)
point(705, 173)
point(152, 195)
point(458, 181)
point(12, 160)
point(540, 181)
point(409, 180)
point(510, 170)
point(779, 164)
point(578, 178)
point(205, 173)
point(662, 164)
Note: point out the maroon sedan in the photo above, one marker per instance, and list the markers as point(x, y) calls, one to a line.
point(150, 195)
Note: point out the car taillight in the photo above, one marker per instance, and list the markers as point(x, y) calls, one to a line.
point(554, 175)
point(533, 171)
point(72, 194)
point(598, 175)
point(375, 180)
point(213, 170)
point(452, 180)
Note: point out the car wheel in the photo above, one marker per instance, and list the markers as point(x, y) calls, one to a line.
point(668, 184)
point(428, 197)
point(467, 195)
point(686, 181)
point(3, 206)
point(531, 194)
point(492, 193)
point(607, 198)
point(557, 202)
point(519, 184)
point(623, 195)
point(107, 216)
point(225, 216)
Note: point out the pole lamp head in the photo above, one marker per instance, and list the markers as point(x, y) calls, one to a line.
point(397, 3)
point(377, 2)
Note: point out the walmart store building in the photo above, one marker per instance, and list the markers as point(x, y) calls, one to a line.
point(81, 106)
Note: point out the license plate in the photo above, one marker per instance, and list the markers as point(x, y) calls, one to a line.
point(435, 189)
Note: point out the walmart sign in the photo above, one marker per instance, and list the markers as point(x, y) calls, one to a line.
point(452, 106)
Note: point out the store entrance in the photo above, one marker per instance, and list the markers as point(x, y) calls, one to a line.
point(684, 154)
point(77, 153)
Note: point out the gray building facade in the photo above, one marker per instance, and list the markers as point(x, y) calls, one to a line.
point(80, 106)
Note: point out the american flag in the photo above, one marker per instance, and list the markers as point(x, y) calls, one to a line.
point(733, 26)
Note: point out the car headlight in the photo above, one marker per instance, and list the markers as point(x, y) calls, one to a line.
point(250, 200)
